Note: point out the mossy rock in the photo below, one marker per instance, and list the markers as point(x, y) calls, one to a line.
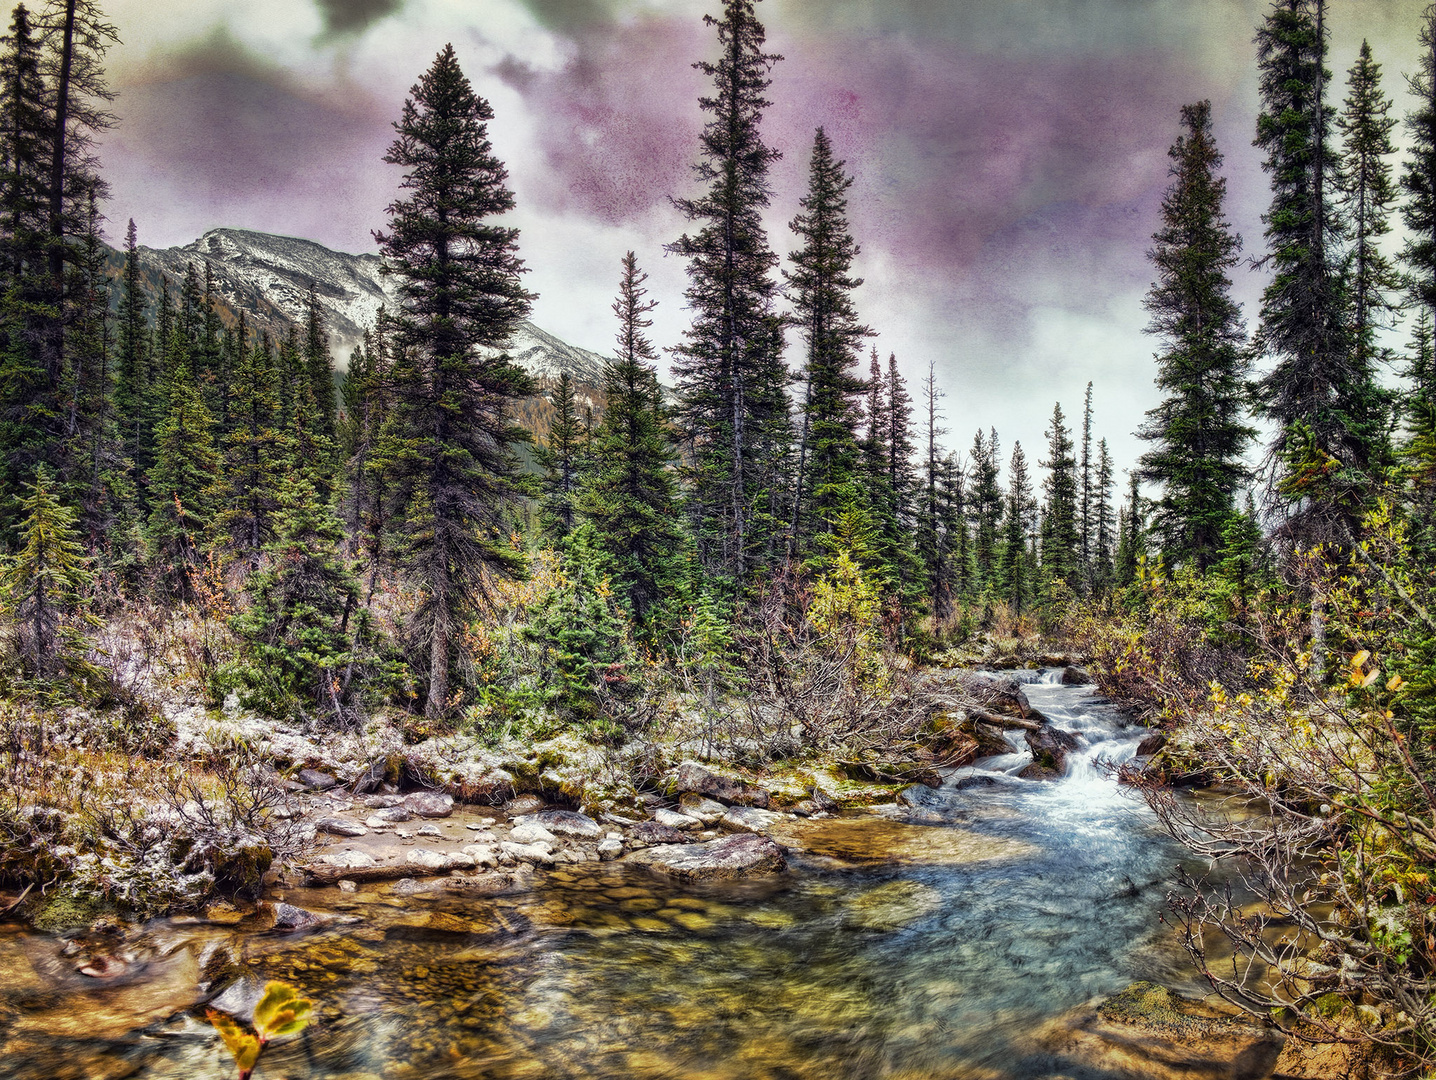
point(242, 869)
point(66, 908)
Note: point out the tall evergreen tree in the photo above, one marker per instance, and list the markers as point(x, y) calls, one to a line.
point(255, 456)
point(935, 526)
point(820, 287)
point(1418, 179)
point(1317, 379)
point(1015, 568)
point(1198, 430)
point(319, 366)
point(1060, 538)
point(629, 495)
point(559, 457)
point(1368, 193)
point(728, 370)
point(986, 507)
point(454, 470)
point(1104, 530)
point(134, 396)
point(1131, 533)
point(1085, 524)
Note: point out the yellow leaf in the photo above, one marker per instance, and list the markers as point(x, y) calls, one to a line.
point(277, 995)
point(1360, 658)
point(243, 1045)
point(1371, 677)
point(1394, 683)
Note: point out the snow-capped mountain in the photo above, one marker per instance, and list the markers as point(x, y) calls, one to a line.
point(268, 278)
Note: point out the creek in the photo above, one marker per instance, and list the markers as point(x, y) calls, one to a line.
point(891, 949)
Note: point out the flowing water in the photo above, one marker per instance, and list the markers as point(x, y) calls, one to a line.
point(890, 950)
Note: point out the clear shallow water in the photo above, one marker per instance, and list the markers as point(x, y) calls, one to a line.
point(1036, 898)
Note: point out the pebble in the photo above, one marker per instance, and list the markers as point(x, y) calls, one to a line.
point(345, 885)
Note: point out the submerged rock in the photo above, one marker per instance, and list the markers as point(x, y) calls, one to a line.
point(291, 918)
point(942, 801)
point(1149, 1033)
point(744, 855)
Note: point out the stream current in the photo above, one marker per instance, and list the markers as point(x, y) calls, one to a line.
point(1025, 900)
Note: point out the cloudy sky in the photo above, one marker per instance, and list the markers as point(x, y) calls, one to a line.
point(1009, 155)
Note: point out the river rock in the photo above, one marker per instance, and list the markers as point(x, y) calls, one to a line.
point(568, 823)
point(239, 998)
point(1152, 744)
point(531, 832)
point(744, 855)
point(1149, 1033)
point(1034, 771)
point(524, 804)
point(990, 740)
point(1076, 676)
point(482, 854)
point(346, 860)
point(341, 827)
point(429, 804)
point(391, 814)
point(693, 777)
point(314, 780)
point(528, 853)
point(653, 832)
point(1050, 747)
point(609, 849)
point(749, 819)
point(942, 801)
point(699, 806)
point(438, 861)
point(291, 918)
point(674, 820)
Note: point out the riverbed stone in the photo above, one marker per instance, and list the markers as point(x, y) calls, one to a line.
point(609, 849)
point(381, 802)
point(538, 853)
point(429, 804)
point(1076, 676)
point(483, 854)
point(438, 861)
point(569, 823)
point(654, 832)
point(1152, 744)
point(1149, 1032)
point(674, 820)
point(523, 804)
point(749, 819)
point(691, 776)
point(347, 860)
point(740, 856)
point(314, 780)
point(701, 807)
point(531, 832)
point(291, 918)
point(390, 815)
point(942, 802)
point(337, 826)
point(1050, 747)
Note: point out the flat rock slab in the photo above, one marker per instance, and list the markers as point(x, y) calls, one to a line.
point(693, 777)
point(742, 856)
point(341, 827)
point(567, 823)
point(750, 819)
point(652, 832)
point(1149, 1033)
point(429, 804)
point(879, 839)
point(674, 820)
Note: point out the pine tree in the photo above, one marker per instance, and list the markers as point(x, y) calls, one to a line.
point(296, 627)
point(453, 468)
point(1198, 431)
point(134, 396)
point(934, 526)
point(1085, 523)
point(1317, 379)
point(1060, 538)
point(986, 508)
point(181, 491)
point(629, 496)
point(1418, 179)
point(44, 585)
point(820, 287)
point(255, 456)
point(1015, 567)
point(1104, 534)
point(560, 459)
point(728, 370)
point(1368, 192)
point(1131, 533)
point(319, 366)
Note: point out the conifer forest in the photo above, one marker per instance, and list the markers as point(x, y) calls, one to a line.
point(391, 686)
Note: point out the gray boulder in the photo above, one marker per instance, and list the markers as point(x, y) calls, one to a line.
point(693, 777)
point(741, 856)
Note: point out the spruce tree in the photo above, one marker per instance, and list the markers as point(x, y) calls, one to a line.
point(559, 457)
point(1418, 179)
point(255, 456)
point(728, 370)
point(1015, 567)
point(181, 487)
point(135, 397)
point(986, 508)
point(1059, 537)
point(319, 367)
point(1368, 193)
point(1198, 430)
point(1131, 533)
point(628, 496)
point(45, 585)
point(1104, 539)
point(453, 467)
point(1085, 523)
point(934, 525)
point(820, 287)
point(1318, 379)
